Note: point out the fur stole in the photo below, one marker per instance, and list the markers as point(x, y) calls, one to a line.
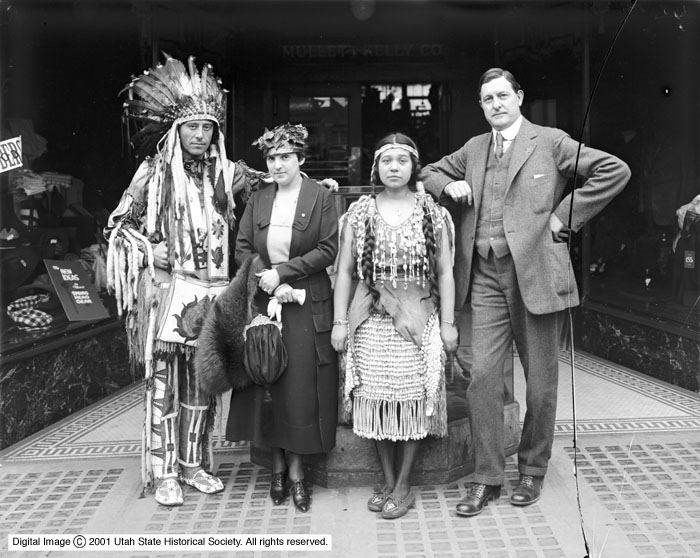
point(218, 359)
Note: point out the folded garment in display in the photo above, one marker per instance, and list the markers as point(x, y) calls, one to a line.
point(17, 264)
point(57, 180)
point(28, 182)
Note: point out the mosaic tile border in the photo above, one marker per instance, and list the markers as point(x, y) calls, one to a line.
point(104, 449)
point(685, 402)
point(62, 441)
point(682, 400)
point(632, 425)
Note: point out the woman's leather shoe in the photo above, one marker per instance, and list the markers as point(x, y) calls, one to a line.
point(300, 496)
point(278, 487)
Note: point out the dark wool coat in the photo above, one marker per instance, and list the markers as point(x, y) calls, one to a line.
point(305, 398)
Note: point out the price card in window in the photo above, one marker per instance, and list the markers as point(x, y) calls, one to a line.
point(75, 290)
point(10, 154)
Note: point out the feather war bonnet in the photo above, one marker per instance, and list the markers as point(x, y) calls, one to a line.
point(158, 101)
point(168, 95)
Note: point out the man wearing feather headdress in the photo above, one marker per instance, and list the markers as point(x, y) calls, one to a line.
point(173, 220)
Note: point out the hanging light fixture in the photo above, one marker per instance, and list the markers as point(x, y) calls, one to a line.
point(362, 9)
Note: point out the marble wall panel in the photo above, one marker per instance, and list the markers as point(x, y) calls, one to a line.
point(657, 353)
point(40, 390)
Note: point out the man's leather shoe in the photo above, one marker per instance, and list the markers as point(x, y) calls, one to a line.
point(479, 496)
point(528, 490)
point(278, 487)
point(300, 496)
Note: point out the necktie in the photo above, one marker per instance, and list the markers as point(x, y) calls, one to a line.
point(499, 145)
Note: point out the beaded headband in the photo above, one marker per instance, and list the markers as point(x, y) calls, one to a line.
point(285, 138)
point(387, 147)
point(394, 145)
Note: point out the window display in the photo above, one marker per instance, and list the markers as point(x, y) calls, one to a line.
point(640, 259)
point(42, 219)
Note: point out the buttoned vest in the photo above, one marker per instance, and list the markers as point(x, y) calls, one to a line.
point(489, 230)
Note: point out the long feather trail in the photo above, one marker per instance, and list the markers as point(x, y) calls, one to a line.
point(194, 77)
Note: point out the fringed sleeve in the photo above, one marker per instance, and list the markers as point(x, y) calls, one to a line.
point(130, 261)
point(247, 180)
point(132, 205)
point(236, 180)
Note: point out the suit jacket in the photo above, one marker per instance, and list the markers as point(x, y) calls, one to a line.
point(542, 162)
point(314, 243)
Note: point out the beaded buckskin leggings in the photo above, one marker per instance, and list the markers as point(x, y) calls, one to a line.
point(178, 418)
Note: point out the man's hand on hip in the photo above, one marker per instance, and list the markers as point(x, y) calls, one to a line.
point(560, 233)
point(459, 191)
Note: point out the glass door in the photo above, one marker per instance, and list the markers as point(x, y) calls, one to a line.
point(413, 108)
point(333, 148)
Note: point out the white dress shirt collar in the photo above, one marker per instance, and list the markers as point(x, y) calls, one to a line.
point(510, 132)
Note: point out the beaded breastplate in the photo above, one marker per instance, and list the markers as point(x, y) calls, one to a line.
point(399, 253)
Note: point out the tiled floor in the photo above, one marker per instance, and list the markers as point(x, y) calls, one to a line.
point(652, 491)
point(637, 486)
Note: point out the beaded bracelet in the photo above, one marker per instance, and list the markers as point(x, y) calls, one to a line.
point(340, 322)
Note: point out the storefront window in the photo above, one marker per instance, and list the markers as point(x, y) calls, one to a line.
point(411, 108)
point(642, 249)
point(326, 119)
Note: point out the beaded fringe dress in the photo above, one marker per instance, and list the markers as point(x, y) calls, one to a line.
point(395, 361)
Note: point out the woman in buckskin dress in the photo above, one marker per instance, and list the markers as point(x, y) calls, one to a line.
point(401, 319)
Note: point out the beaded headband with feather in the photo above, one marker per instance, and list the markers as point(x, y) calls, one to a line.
point(286, 138)
point(170, 94)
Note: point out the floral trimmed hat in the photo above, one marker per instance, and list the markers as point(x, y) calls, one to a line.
point(285, 138)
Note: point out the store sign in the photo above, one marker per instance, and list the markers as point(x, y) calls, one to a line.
point(10, 154)
point(78, 295)
point(399, 50)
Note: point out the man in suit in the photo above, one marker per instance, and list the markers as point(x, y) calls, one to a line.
point(513, 257)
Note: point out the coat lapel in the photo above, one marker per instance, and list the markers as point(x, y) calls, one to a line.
point(264, 208)
point(305, 206)
point(479, 169)
point(263, 211)
point(523, 146)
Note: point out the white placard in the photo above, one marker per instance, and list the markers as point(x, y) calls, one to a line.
point(10, 154)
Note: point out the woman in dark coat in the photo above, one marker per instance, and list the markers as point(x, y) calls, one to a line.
point(292, 225)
